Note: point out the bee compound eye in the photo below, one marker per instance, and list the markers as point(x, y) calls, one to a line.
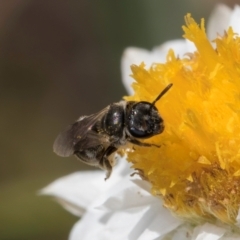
point(144, 121)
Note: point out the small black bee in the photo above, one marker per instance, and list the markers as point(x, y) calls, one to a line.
point(94, 138)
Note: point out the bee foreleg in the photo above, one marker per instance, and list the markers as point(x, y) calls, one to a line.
point(136, 142)
point(140, 173)
point(105, 163)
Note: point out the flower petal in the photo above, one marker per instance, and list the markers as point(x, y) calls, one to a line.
point(108, 225)
point(235, 19)
point(142, 184)
point(126, 195)
point(125, 224)
point(88, 227)
point(208, 231)
point(133, 55)
point(218, 21)
point(129, 212)
point(77, 191)
point(160, 224)
point(238, 219)
point(184, 232)
point(179, 46)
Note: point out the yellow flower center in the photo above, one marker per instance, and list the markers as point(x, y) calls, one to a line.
point(197, 168)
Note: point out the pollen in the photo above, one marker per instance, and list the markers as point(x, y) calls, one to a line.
point(196, 169)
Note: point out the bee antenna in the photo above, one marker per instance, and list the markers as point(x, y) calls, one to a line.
point(162, 93)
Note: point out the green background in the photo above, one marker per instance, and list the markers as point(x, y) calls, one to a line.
point(60, 60)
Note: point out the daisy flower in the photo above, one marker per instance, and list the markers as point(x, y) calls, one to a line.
point(191, 183)
point(221, 18)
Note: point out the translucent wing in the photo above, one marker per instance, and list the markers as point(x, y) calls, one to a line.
point(81, 135)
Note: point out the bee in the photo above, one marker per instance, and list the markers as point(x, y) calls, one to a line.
point(92, 139)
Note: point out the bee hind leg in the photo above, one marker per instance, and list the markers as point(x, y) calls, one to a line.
point(105, 163)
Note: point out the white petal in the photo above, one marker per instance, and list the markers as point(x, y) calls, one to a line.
point(160, 223)
point(88, 227)
point(101, 225)
point(208, 231)
point(179, 46)
point(125, 224)
point(238, 219)
point(142, 184)
point(235, 19)
point(129, 212)
point(79, 190)
point(184, 232)
point(218, 21)
point(122, 198)
point(128, 204)
point(133, 55)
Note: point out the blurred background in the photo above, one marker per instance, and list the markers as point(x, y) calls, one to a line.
point(59, 60)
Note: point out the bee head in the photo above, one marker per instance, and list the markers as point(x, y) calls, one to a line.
point(143, 118)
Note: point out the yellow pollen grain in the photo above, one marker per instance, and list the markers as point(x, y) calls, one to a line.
point(163, 191)
point(190, 178)
point(220, 159)
point(203, 160)
point(237, 173)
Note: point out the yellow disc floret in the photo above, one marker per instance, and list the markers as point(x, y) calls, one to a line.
point(197, 168)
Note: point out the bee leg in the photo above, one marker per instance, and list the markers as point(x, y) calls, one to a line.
point(140, 173)
point(136, 142)
point(105, 163)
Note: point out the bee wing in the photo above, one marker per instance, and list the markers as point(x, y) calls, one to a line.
point(79, 135)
